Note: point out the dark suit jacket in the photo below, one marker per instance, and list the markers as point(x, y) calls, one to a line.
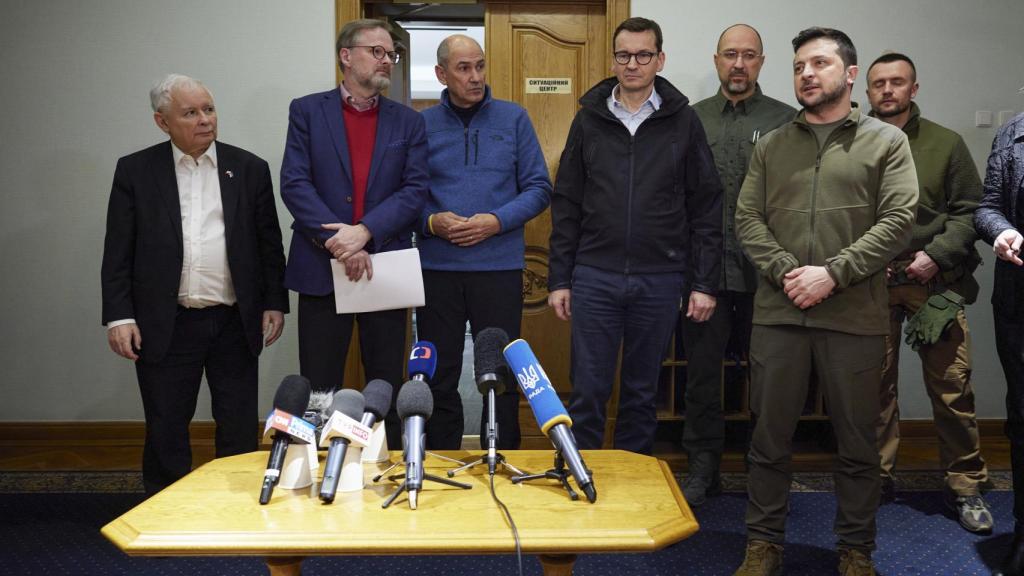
point(142, 253)
point(1000, 210)
point(316, 183)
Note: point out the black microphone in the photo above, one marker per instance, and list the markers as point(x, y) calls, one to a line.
point(490, 368)
point(291, 398)
point(415, 405)
point(350, 403)
point(377, 394)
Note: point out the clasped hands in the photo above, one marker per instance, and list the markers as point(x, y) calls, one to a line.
point(463, 231)
point(807, 286)
point(346, 246)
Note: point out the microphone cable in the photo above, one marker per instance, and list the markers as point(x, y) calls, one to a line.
point(515, 531)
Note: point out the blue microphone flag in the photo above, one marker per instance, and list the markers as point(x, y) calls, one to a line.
point(534, 382)
point(423, 359)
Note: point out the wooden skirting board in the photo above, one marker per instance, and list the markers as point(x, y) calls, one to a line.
point(118, 445)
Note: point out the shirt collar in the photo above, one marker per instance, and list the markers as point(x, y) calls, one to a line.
point(349, 99)
point(211, 154)
point(744, 106)
point(654, 100)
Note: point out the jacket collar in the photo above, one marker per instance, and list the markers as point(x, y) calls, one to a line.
point(671, 98)
point(447, 102)
point(852, 119)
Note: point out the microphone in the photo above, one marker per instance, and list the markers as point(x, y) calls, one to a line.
point(490, 368)
point(422, 361)
point(377, 394)
point(547, 408)
point(291, 397)
point(415, 405)
point(318, 410)
point(350, 404)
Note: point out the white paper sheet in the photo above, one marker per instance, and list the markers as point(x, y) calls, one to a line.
point(397, 283)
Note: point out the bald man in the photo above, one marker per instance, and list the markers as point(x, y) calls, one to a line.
point(487, 180)
point(734, 118)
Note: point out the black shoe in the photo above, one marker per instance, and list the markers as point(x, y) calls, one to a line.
point(888, 493)
point(1013, 564)
point(697, 488)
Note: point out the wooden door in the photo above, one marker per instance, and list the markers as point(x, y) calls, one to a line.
point(538, 39)
point(549, 40)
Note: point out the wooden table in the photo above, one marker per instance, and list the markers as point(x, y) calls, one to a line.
point(214, 511)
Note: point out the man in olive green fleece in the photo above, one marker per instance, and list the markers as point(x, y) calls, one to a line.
point(734, 119)
point(827, 203)
point(940, 257)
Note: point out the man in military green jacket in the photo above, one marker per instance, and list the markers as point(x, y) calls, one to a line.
point(929, 283)
point(734, 119)
point(827, 203)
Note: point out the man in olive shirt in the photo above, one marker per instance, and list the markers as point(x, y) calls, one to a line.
point(734, 118)
point(827, 203)
point(929, 283)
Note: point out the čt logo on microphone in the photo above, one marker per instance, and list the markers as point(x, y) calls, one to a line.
point(420, 352)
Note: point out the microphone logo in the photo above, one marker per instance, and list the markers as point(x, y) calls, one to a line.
point(420, 352)
point(528, 377)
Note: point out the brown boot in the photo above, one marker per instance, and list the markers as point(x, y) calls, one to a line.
point(761, 559)
point(854, 562)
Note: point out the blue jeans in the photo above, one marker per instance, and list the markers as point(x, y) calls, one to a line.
point(637, 312)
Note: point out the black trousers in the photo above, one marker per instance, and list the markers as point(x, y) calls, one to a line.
point(209, 340)
point(704, 344)
point(485, 300)
point(324, 337)
point(1010, 346)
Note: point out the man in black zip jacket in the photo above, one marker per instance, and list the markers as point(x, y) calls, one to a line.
point(636, 209)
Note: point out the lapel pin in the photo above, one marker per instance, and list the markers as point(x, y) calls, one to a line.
point(229, 173)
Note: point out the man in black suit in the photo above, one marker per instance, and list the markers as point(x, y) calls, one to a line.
point(192, 261)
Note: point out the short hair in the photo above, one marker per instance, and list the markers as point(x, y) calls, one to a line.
point(445, 47)
point(896, 57)
point(160, 93)
point(847, 51)
point(347, 36)
point(737, 25)
point(638, 24)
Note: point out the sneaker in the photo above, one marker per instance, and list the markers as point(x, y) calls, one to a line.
point(761, 559)
point(972, 513)
point(854, 562)
point(697, 488)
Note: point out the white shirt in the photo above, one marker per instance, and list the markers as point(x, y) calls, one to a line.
point(633, 120)
point(205, 276)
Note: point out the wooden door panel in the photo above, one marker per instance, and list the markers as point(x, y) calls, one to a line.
point(544, 41)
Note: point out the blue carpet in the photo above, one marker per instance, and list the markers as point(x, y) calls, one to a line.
point(57, 534)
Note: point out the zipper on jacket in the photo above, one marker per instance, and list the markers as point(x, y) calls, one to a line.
point(476, 146)
point(465, 136)
point(629, 201)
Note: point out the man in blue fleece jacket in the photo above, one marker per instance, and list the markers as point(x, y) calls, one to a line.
point(487, 179)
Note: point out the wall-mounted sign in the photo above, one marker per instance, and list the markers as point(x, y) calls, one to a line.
point(549, 85)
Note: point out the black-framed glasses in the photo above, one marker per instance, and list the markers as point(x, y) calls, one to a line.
point(642, 58)
point(379, 52)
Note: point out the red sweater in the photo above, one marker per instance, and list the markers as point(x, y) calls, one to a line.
point(361, 133)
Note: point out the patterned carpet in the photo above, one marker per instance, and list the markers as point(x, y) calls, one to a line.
point(51, 525)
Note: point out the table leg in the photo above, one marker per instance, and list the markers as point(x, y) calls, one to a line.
point(284, 565)
point(557, 564)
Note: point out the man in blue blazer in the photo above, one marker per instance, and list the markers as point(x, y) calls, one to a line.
point(355, 178)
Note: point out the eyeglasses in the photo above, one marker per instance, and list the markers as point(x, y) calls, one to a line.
point(642, 58)
point(733, 55)
point(379, 52)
